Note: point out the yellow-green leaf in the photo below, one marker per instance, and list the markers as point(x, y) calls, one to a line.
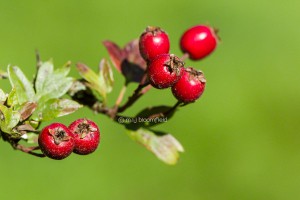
point(164, 146)
point(19, 81)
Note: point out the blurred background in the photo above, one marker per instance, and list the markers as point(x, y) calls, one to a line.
point(241, 139)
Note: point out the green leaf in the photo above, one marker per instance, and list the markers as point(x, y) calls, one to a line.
point(106, 79)
point(18, 80)
point(30, 137)
point(100, 84)
point(44, 71)
point(9, 119)
point(55, 108)
point(12, 98)
point(55, 86)
point(2, 96)
point(164, 146)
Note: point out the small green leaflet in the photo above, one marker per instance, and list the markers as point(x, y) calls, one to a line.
point(12, 99)
point(101, 83)
point(164, 146)
point(8, 119)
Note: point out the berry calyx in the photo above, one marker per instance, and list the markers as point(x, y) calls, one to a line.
point(153, 42)
point(190, 86)
point(199, 41)
point(86, 136)
point(56, 141)
point(165, 70)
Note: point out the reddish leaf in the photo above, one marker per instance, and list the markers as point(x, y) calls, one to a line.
point(116, 54)
point(128, 60)
point(132, 54)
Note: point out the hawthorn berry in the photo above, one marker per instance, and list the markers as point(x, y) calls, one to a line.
point(190, 86)
point(56, 141)
point(164, 70)
point(153, 41)
point(199, 41)
point(86, 135)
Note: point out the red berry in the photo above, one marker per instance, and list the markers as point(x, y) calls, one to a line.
point(164, 70)
point(56, 141)
point(199, 41)
point(154, 41)
point(86, 136)
point(190, 86)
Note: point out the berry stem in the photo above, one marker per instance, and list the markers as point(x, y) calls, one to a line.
point(173, 108)
point(141, 89)
point(121, 95)
point(184, 57)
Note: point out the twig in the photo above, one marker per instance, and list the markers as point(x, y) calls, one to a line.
point(121, 96)
point(38, 65)
point(141, 89)
point(28, 150)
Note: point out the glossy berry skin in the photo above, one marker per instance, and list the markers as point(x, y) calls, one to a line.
point(56, 141)
point(86, 135)
point(153, 42)
point(199, 41)
point(190, 86)
point(164, 71)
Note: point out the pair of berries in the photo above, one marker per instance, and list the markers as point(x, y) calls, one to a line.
point(167, 70)
point(58, 141)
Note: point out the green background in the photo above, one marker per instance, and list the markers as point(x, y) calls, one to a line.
point(242, 139)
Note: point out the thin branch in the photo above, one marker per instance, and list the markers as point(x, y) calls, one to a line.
point(38, 65)
point(28, 150)
point(121, 96)
point(141, 89)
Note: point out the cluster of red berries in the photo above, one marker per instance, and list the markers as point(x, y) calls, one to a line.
point(167, 70)
point(58, 141)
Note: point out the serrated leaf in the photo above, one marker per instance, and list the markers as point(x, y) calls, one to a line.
point(18, 80)
point(55, 108)
point(106, 78)
point(128, 60)
point(164, 146)
point(55, 86)
point(45, 69)
point(2, 96)
point(55, 83)
point(9, 119)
